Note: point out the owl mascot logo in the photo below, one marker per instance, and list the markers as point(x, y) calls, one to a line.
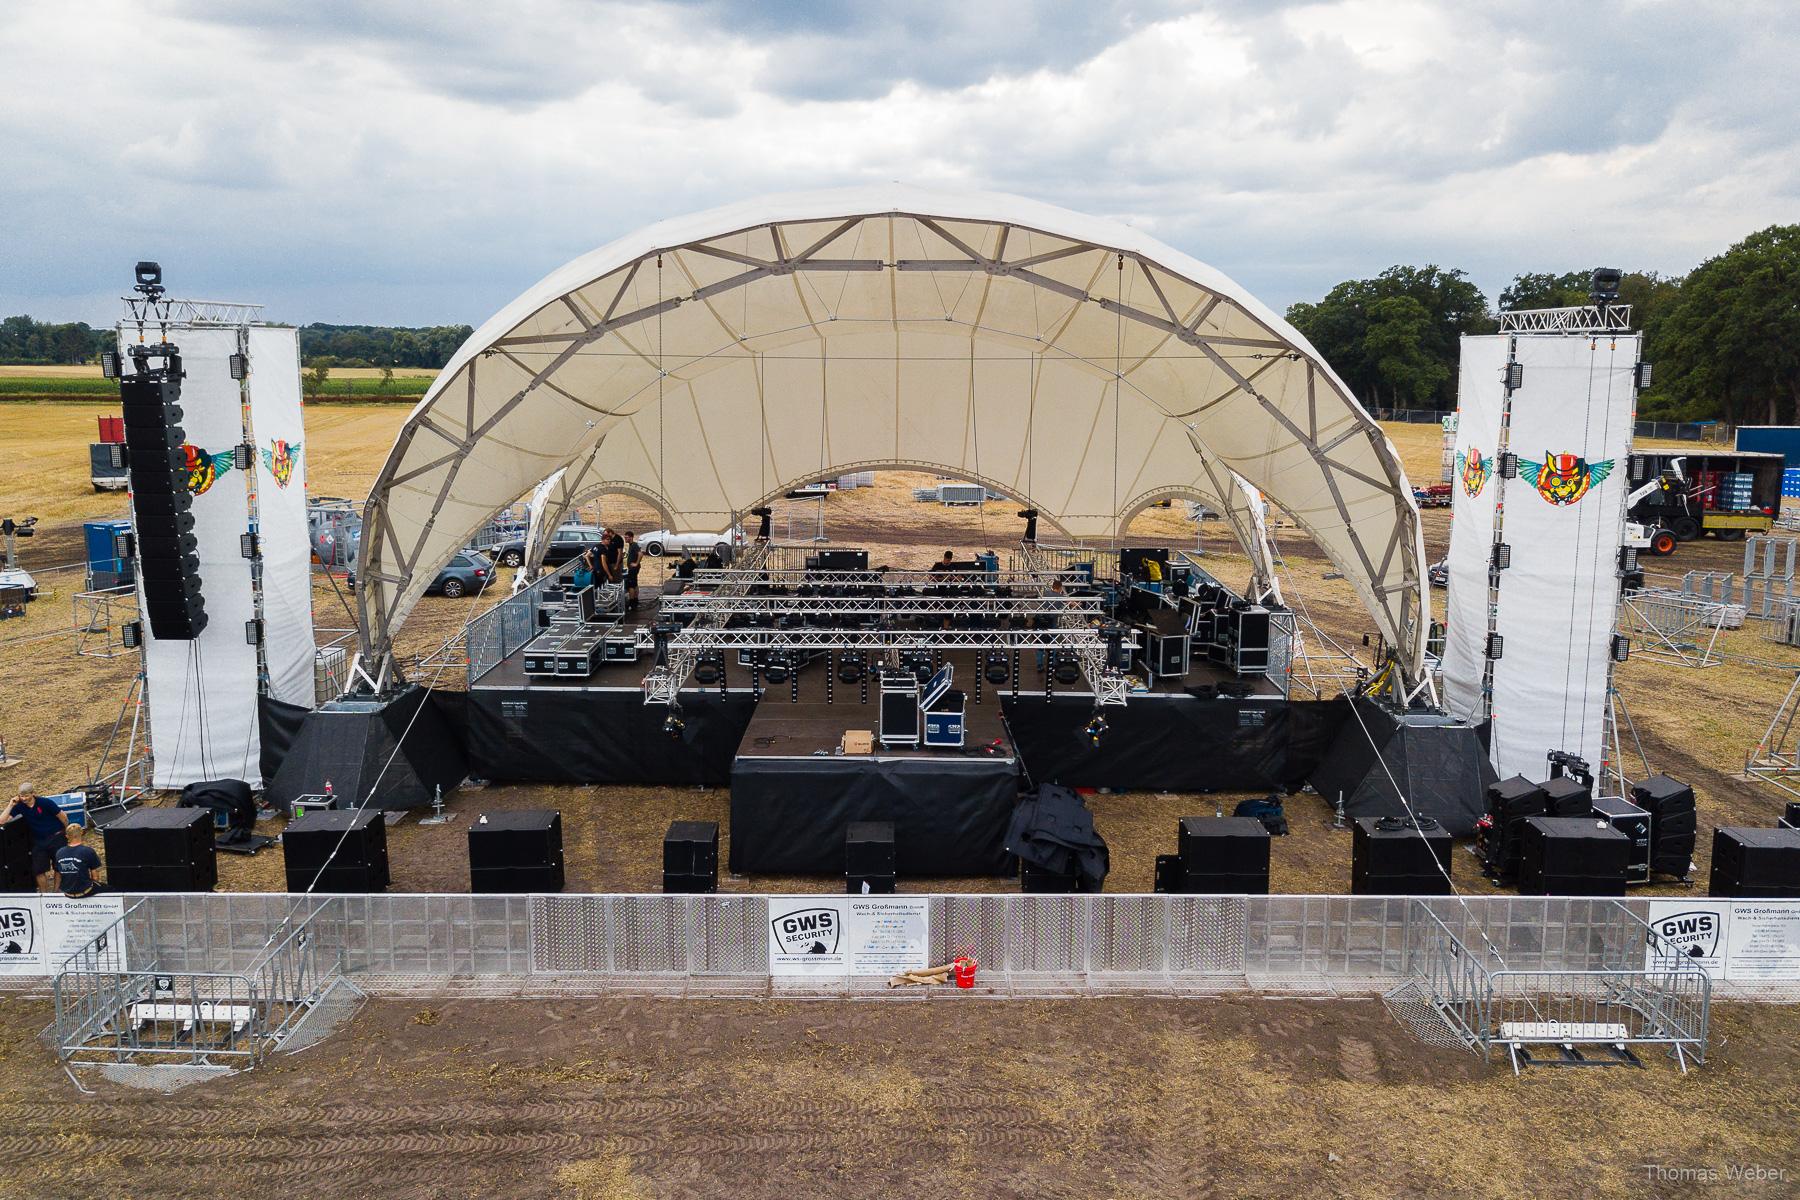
point(279, 460)
point(1564, 478)
point(1473, 470)
point(203, 469)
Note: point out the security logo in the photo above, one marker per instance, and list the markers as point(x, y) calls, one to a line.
point(807, 931)
point(18, 931)
point(1564, 478)
point(1694, 934)
point(1473, 470)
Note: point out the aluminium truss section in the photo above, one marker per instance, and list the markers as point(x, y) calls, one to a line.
point(100, 620)
point(1583, 319)
point(1674, 628)
point(895, 607)
point(755, 576)
point(1775, 759)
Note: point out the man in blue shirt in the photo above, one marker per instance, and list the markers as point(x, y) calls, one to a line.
point(48, 828)
point(75, 867)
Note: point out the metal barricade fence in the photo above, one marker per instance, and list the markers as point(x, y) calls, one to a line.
point(178, 979)
point(1025, 943)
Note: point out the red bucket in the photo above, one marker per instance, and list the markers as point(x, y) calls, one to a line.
point(964, 970)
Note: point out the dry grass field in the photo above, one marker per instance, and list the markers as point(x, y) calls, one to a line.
point(58, 710)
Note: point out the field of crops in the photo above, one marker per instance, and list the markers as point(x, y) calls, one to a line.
point(53, 383)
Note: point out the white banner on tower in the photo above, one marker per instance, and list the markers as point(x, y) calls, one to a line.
point(1563, 522)
point(280, 474)
point(203, 692)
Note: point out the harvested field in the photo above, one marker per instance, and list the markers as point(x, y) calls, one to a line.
point(1238, 1095)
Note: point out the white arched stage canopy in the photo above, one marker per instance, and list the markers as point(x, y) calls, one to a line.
point(710, 362)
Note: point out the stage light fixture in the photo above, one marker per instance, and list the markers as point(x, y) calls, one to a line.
point(124, 545)
point(1628, 559)
point(1508, 466)
point(240, 366)
point(148, 281)
point(115, 455)
point(1605, 287)
point(1496, 646)
point(1095, 729)
point(673, 724)
point(249, 545)
point(1621, 648)
point(131, 634)
point(1640, 376)
point(1502, 556)
point(1514, 376)
point(253, 631)
point(243, 455)
point(110, 366)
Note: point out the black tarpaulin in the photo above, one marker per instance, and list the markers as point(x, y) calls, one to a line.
point(1053, 831)
point(390, 753)
point(950, 813)
point(552, 735)
point(1173, 743)
point(279, 724)
point(1438, 760)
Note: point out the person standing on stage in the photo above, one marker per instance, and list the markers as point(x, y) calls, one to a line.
point(75, 867)
point(634, 555)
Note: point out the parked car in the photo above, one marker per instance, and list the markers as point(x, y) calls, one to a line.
point(663, 541)
point(467, 572)
point(566, 544)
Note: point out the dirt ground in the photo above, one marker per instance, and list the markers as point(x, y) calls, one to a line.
point(1237, 1095)
point(58, 710)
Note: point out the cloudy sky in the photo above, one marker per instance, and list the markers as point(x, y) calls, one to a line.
point(392, 161)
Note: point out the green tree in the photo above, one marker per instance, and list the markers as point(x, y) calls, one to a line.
point(1728, 342)
point(1396, 347)
point(1339, 327)
point(387, 377)
point(317, 376)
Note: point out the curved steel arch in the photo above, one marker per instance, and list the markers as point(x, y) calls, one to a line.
point(758, 298)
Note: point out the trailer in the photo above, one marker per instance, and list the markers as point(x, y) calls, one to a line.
point(1727, 494)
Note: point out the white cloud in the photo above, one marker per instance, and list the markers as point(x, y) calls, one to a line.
point(397, 162)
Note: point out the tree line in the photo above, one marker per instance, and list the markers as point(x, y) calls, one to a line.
point(30, 342)
point(1723, 340)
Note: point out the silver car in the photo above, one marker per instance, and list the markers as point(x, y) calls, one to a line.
point(659, 542)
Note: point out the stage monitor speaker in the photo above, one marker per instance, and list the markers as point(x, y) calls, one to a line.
point(1762, 864)
point(345, 850)
point(15, 858)
point(1564, 797)
point(869, 854)
point(161, 850)
point(1036, 880)
point(1634, 823)
point(516, 852)
point(691, 857)
point(157, 468)
point(1673, 825)
point(1572, 856)
point(1223, 855)
point(1390, 858)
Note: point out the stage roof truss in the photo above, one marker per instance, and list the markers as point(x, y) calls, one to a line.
point(711, 362)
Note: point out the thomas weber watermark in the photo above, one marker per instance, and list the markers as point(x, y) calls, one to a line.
point(1729, 1173)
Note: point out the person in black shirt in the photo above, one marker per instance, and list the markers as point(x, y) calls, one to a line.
point(47, 824)
point(634, 555)
point(685, 568)
point(610, 557)
point(75, 867)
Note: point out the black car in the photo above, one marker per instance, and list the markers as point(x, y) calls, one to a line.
point(468, 572)
point(567, 544)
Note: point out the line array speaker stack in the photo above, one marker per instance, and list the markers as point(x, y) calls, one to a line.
point(344, 849)
point(1510, 803)
point(15, 858)
point(869, 858)
point(1572, 856)
point(691, 857)
point(1392, 856)
point(1217, 856)
point(1756, 863)
point(156, 464)
point(516, 852)
point(1670, 804)
point(161, 850)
